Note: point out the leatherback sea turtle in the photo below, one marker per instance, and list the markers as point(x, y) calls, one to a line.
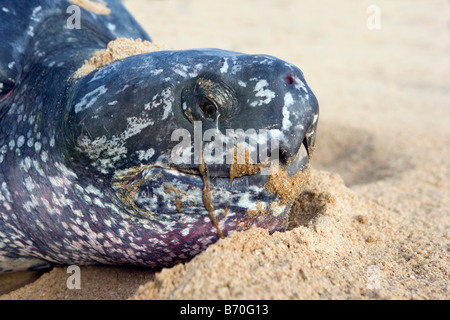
point(116, 166)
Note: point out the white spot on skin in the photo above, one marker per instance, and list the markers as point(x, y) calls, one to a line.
point(7, 206)
point(157, 71)
point(65, 171)
point(57, 181)
point(29, 184)
point(112, 103)
point(79, 188)
point(135, 126)
point(37, 146)
point(20, 141)
point(224, 68)
point(93, 190)
point(5, 192)
point(12, 144)
point(105, 152)
point(38, 168)
point(30, 31)
point(197, 68)
point(31, 119)
point(112, 149)
point(185, 231)
point(164, 98)
point(167, 110)
point(263, 93)
point(180, 70)
point(183, 70)
point(25, 165)
point(98, 203)
point(146, 155)
point(242, 83)
point(87, 199)
point(44, 156)
point(36, 11)
point(78, 213)
point(89, 99)
point(288, 101)
point(5, 9)
point(299, 127)
point(300, 85)
point(266, 61)
point(11, 64)
point(111, 27)
point(235, 69)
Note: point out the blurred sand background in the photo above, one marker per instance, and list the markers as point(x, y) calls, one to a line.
point(374, 221)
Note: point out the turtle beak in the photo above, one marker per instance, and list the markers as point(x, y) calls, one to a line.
point(300, 161)
point(297, 148)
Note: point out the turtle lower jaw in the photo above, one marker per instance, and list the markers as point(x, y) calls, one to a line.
point(234, 202)
point(157, 179)
point(163, 193)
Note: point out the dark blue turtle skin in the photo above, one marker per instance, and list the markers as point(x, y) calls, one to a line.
point(87, 169)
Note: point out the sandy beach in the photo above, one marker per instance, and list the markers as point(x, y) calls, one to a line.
point(374, 220)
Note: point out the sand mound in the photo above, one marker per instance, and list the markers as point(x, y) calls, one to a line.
point(116, 50)
point(342, 246)
point(97, 282)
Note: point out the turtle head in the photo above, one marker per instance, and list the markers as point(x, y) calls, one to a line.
point(156, 120)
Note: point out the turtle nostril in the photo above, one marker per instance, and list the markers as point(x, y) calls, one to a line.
point(290, 79)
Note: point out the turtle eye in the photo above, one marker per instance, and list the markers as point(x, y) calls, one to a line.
point(209, 109)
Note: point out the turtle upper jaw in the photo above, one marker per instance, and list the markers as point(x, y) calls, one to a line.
point(292, 162)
